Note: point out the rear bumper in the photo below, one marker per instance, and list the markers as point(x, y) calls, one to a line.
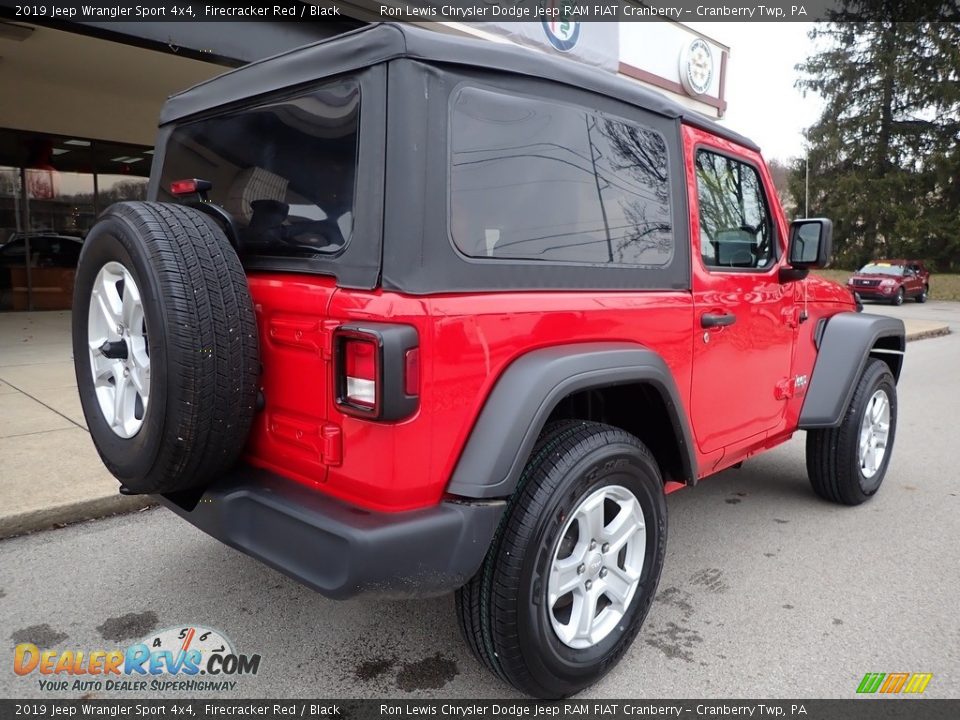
point(341, 550)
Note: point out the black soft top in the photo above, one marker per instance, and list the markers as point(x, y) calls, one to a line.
point(381, 42)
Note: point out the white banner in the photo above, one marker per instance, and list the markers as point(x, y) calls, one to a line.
point(596, 43)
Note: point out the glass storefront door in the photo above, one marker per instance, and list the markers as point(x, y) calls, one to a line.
point(51, 191)
point(13, 255)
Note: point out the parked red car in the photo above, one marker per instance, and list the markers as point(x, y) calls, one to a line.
point(892, 280)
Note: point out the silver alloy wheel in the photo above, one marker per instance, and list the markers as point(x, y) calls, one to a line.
point(874, 432)
point(596, 566)
point(119, 350)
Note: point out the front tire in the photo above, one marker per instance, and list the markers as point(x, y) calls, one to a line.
point(899, 297)
point(573, 569)
point(847, 464)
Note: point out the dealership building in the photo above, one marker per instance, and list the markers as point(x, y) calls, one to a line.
point(80, 101)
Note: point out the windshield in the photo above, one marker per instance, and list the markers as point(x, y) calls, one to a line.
point(878, 269)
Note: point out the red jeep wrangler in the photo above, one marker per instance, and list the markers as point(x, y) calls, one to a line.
point(409, 314)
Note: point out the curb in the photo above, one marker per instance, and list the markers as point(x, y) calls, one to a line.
point(57, 516)
point(931, 333)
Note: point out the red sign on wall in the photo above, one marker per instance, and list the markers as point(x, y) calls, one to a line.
point(43, 183)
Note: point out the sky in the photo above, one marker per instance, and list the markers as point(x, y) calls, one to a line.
point(762, 102)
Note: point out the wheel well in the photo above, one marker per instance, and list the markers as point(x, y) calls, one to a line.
point(890, 350)
point(637, 408)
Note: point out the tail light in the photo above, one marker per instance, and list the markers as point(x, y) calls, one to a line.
point(411, 372)
point(376, 370)
point(191, 186)
point(360, 368)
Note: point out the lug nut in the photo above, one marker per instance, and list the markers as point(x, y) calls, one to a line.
point(593, 544)
point(603, 572)
point(588, 584)
point(605, 548)
point(581, 569)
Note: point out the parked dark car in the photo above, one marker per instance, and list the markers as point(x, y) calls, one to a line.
point(892, 281)
point(52, 266)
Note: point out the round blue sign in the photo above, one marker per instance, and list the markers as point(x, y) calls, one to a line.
point(562, 34)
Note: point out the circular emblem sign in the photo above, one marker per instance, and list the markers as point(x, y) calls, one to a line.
point(696, 67)
point(562, 34)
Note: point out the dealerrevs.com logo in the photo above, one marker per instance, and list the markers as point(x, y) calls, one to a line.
point(191, 658)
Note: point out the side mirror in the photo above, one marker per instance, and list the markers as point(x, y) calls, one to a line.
point(811, 243)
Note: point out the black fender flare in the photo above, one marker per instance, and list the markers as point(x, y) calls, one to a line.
point(528, 391)
point(844, 346)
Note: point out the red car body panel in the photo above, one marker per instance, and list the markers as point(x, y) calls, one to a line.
point(741, 386)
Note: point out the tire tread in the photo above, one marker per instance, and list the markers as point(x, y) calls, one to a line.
point(212, 354)
point(828, 450)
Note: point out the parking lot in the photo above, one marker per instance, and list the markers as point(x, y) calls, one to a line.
point(766, 592)
point(948, 312)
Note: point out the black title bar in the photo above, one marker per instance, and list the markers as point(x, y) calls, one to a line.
point(480, 10)
point(571, 709)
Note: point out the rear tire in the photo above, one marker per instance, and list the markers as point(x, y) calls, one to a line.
point(582, 478)
point(922, 297)
point(845, 464)
point(190, 353)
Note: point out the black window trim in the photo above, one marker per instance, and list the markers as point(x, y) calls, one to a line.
point(456, 91)
point(777, 249)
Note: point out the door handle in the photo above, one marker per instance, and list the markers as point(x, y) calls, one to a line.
point(710, 320)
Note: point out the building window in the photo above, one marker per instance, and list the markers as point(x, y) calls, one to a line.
point(537, 180)
point(51, 191)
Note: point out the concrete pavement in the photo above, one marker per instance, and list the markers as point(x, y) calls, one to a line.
point(929, 319)
point(50, 473)
point(767, 591)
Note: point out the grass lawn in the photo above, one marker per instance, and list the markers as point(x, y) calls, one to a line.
point(942, 286)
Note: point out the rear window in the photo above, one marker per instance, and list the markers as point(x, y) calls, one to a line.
point(537, 180)
point(285, 171)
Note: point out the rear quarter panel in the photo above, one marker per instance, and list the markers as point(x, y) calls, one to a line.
point(466, 342)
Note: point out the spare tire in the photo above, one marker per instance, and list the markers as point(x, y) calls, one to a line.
point(164, 345)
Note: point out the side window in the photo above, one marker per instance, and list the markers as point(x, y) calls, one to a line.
point(42, 251)
point(14, 250)
point(537, 180)
point(735, 225)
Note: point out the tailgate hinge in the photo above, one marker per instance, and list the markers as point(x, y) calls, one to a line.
point(326, 347)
